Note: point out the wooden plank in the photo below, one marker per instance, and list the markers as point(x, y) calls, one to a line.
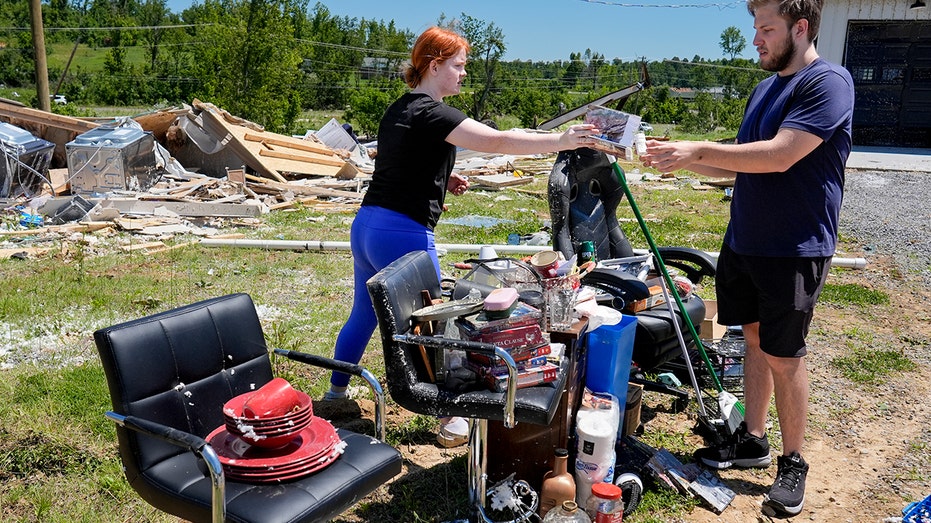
point(13, 110)
point(500, 181)
point(142, 246)
point(187, 209)
point(269, 167)
point(292, 144)
point(171, 247)
point(307, 190)
point(66, 228)
point(247, 155)
point(271, 153)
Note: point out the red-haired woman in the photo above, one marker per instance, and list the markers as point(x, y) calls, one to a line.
point(417, 142)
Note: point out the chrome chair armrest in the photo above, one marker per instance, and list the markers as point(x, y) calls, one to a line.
point(487, 349)
point(195, 444)
point(346, 368)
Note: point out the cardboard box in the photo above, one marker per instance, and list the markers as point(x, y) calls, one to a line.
point(530, 377)
point(656, 298)
point(710, 329)
point(519, 355)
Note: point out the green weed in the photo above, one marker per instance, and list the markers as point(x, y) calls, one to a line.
point(852, 294)
point(872, 366)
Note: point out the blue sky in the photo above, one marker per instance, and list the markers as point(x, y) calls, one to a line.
point(551, 29)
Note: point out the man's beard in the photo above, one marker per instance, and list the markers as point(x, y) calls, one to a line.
point(779, 60)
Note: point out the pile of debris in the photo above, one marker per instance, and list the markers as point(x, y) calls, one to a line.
point(197, 161)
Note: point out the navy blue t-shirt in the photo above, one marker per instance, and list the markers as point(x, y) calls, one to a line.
point(414, 159)
point(795, 213)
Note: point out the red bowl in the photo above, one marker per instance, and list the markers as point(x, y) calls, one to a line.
point(233, 409)
point(275, 398)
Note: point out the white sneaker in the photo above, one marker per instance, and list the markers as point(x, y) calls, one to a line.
point(453, 432)
point(334, 395)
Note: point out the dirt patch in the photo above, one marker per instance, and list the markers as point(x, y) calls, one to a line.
point(867, 443)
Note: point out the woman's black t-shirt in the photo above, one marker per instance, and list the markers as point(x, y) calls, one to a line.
point(414, 160)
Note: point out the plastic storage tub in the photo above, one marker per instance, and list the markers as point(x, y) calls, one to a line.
point(610, 349)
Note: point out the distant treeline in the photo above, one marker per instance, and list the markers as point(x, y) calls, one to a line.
point(270, 60)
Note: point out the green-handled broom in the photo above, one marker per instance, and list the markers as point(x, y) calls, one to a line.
point(730, 408)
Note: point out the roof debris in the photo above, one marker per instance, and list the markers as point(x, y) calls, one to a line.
point(158, 173)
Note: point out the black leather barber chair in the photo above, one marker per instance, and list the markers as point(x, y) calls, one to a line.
point(584, 194)
point(396, 294)
point(169, 376)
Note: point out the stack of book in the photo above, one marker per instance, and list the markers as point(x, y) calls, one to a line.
point(521, 336)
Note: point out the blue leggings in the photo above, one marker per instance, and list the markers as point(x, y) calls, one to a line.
point(378, 237)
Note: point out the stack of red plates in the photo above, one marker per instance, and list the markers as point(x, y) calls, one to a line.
point(272, 435)
point(312, 449)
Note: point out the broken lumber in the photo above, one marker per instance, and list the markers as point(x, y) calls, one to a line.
point(250, 150)
point(186, 209)
point(306, 147)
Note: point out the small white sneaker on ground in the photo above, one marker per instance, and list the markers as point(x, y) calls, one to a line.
point(454, 432)
point(331, 395)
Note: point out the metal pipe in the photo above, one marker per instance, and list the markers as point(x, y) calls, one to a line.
point(317, 245)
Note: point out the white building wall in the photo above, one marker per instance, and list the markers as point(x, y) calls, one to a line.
point(836, 13)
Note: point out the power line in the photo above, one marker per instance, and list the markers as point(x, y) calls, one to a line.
point(351, 47)
point(124, 28)
point(719, 66)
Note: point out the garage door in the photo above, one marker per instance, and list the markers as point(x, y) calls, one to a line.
point(891, 67)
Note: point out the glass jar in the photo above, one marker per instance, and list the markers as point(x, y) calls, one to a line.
point(605, 504)
point(568, 512)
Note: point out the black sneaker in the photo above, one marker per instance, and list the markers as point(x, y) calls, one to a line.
point(741, 449)
point(788, 493)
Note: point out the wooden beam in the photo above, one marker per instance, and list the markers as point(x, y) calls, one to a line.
point(239, 147)
point(187, 209)
point(300, 158)
point(309, 147)
point(14, 111)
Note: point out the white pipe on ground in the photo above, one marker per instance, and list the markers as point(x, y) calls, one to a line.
point(317, 245)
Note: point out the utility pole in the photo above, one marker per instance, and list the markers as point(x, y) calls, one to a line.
point(38, 42)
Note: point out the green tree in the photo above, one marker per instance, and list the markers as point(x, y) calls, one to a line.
point(574, 70)
point(532, 103)
point(154, 14)
point(732, 42)
point(702, 117)
point(368, 104)
point(329, 60)
point(487, 42)
point(595, 62)
point(248, 63)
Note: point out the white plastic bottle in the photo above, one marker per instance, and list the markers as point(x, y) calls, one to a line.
point(640, 142)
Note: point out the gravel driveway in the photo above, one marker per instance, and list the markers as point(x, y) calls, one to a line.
point(888, 212)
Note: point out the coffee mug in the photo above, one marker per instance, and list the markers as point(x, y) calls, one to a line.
point(545, 263)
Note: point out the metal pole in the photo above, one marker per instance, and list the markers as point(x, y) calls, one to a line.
point(318, 245)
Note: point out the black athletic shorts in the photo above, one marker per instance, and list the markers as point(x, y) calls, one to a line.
point(780, 293)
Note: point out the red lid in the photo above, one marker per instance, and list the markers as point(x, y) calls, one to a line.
point(606, 490)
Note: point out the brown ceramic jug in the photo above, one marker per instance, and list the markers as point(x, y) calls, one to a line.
point(558, 484)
